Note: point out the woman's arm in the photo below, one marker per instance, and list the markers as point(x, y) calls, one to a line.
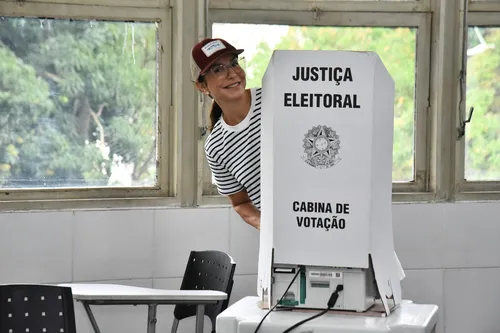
point(245, 208)
point(227, 184)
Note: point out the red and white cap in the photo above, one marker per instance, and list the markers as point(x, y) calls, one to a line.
point(205, 53)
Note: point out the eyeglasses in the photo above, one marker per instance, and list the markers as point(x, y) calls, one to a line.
point(220, 70)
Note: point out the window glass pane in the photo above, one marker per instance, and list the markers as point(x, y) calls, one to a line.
point(78, 103)
point(395, 46)
point(482, 134)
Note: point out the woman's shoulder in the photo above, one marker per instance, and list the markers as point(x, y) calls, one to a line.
point(214, 136)
point(257, 99)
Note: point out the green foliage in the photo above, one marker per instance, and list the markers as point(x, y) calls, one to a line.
point(77, 99)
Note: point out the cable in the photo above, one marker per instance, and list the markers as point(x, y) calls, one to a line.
point(331, 304)
point(275, 305)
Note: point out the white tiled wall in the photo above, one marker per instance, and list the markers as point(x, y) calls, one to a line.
point(451, 254)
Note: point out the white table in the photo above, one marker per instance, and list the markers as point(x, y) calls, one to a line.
point(114, 294)
point(244, 316)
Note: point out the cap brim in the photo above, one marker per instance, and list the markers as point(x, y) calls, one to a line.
point(210, 64)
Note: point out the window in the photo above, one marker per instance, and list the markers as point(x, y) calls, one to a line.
point(482, 148)
point(78, 103)
point(399, 48)
point(80, 100)
point(395, 46)
point(478, 157)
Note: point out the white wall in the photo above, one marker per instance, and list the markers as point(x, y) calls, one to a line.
point(451, 254)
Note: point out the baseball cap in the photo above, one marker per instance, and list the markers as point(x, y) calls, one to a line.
point(205, 53)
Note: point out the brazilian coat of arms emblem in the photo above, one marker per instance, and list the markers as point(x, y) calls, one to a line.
point(321, 147)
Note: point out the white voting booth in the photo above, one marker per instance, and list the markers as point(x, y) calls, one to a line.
point(326, 182)
point(326, 201)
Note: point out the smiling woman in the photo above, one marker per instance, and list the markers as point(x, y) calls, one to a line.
point(233, 147)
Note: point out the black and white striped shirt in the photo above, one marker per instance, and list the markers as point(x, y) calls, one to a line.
point(233, 153)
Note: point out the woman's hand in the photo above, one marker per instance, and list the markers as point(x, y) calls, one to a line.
point(245, 208)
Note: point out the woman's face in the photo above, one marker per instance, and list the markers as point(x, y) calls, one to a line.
point(226, 80)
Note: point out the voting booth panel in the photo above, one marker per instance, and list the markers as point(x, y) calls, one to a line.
point(326, 175)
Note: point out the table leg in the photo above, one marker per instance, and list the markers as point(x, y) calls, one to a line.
point(86, 306)
point(200, 317)
point(152, 318)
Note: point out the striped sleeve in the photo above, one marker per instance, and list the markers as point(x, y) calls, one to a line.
point(224, 180)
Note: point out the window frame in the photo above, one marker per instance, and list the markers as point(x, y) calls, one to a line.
point(325, 6)
point(483, 6)
point(107, 3)
point(104, 197)
point(402, 191)
point(464, 189)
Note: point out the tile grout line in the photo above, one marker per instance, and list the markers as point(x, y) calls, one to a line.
point(229, 230)
point(73, 232)
point(153, 247)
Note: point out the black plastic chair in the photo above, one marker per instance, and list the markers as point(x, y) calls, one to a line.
point(206, 270)
point(30, 308)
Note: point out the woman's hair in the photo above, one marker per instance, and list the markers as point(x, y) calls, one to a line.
point(215, 114)
point(215, 111)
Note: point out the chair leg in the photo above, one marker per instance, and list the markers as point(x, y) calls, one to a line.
point(175, 325)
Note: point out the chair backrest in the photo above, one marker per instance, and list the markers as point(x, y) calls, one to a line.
point(207, 270)
point(30, 308)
